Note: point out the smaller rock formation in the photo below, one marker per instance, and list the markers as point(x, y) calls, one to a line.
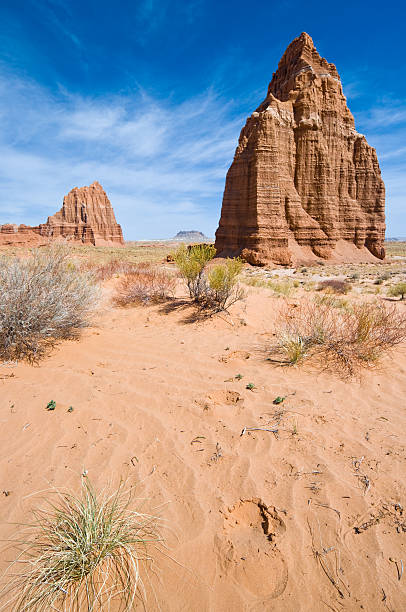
point(19, 235)
point(190, 236)
point(86, 216)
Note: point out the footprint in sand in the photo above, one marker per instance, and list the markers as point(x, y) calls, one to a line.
point(220, 398)
point(248, 552)
point(234, 355)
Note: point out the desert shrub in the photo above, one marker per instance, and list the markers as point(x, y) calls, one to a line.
point(345, 338)
point(191, 263)
point(283, 287)
point(145, 283)
point(354, 276)
point(42, 299)
point(332, 300)
point(222, 289)
point(398, 290)
point(334, 285)
point(114, 267)
point(81, 553)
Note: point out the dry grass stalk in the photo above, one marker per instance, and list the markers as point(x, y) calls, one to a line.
point(345, 339)
point(145, 283)
point(107, 270)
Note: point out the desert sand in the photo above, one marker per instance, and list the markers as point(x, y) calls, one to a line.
point(310, 517)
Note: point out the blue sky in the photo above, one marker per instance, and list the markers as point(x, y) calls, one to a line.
point(149, 96)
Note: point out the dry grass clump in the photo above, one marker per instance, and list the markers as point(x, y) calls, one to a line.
point(342, 338)
point(81, 553)
point(280, 287)
point(109, 269)
point(331, 300)
point(43, 299)
point(144, 284)
point(334, 285)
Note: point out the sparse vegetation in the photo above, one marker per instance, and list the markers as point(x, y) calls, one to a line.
point(145, 283)
point(81, 553)
point(223, 290)
point(109, 269)
point(283, 287)
point(347, 338)
point(191, 262)
point(215, 288)
point(398, 290)
point(43, 299)
point(334, 285)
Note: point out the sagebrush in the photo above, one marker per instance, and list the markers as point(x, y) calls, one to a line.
point(43, 299)
point(344, 338)
point(82, 552)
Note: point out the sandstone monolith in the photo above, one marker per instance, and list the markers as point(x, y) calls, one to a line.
point(86, 216)
point(304, 184)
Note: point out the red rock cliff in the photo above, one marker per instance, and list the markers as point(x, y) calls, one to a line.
point(304, 183)
point(86, 216)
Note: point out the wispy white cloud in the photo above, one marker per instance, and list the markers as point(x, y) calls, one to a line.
point(385, 127)
point(49, 10)
point(162, 163)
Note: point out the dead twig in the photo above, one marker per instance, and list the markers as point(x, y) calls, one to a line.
point(273, 430)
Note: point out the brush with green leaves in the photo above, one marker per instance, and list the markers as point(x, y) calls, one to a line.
point(81, 553)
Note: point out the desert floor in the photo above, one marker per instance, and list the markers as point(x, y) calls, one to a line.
point(311, 517)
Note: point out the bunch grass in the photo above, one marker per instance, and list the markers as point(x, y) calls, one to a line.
point(81, 553)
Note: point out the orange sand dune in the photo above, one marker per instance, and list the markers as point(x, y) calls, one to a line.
point(305, 520)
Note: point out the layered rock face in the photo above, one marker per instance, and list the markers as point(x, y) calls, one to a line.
point(86, 216)
point(19, 235)
point(304, 183)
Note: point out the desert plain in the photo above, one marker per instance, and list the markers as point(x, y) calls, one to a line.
point(277, 487)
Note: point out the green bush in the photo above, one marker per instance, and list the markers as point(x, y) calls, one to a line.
point(191, 262)
point(222, 284)
point(398, 290)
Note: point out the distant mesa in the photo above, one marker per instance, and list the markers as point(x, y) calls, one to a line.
point(86, 217)
point(304, 184)
point(191, 236)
